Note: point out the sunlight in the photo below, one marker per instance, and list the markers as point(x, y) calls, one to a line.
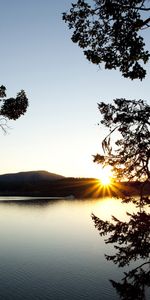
point(105, 180)
point(105, 176)
point(107, 207)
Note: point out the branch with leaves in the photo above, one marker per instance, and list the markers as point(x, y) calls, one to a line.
point(11, 108)
point(134, 284)
point(130, 121)
point(109, 32)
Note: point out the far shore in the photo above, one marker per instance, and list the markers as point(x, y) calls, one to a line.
point(45, 184)
point(72, 188)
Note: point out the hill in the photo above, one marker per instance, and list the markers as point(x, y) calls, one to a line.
point(29, 177)
point(27, 183)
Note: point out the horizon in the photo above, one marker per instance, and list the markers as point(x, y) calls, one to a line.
point(34, 171)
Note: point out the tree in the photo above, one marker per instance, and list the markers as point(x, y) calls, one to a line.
point(130, 160)
point(131, 240)
point(134, 284)
point(11, 108)
point(109, 32)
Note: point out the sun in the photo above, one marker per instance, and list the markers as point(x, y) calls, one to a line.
point(105, 176)
point(105, 180)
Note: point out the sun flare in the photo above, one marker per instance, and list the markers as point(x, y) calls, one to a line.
point(105, 176)
point(105, 180)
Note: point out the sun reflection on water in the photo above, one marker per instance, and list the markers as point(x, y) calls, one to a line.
point(107, 207)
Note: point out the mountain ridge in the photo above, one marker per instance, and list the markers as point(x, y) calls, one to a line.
point(30, 176)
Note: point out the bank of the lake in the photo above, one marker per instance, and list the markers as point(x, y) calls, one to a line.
point(65, 187)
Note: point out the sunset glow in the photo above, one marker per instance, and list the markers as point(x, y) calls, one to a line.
point(105, 176)
point(105, 180)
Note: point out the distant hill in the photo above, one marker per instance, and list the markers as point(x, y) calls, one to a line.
point(30, 177)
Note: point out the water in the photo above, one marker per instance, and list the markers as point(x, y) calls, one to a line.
point(51, 250)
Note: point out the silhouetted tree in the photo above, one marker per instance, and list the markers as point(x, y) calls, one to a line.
point(109, 32)
point(131, 240)
point(11, 108)
point(130, 160)
point(134, 284)
point(129, 120)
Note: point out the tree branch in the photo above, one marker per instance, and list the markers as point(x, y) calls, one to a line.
point(126, 6)
point(146, 21)
point(4, 125)
point(128, 274)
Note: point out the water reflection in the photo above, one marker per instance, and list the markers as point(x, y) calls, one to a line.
point(135, 283)
point(131, 240)
point(29, 201)
point(51, 251)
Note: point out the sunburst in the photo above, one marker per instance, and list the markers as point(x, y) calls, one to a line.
point(105, 176)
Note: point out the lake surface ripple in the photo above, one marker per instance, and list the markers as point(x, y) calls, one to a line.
point(51, 249)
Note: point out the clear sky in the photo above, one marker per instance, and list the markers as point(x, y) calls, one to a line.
point(59, 132)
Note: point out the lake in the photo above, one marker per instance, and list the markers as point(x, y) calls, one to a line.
point(51, 250)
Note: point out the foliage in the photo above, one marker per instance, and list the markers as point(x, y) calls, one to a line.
point(132, 286)
point(130, 119)
point(109, 32)
point(131, 238)
point(11, 108)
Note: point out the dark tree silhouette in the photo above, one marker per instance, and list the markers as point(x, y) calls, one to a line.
point(131, 241)
point(131, 238)
point(130, 121)
point(109, 32)
point(11, 108)
point(130, 160)
point(134, 284)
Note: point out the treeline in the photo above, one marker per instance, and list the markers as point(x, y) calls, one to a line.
point(77, 187)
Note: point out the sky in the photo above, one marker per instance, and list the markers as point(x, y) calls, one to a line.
point(59, 132)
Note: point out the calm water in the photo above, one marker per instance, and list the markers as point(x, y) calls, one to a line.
point(52, 251)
